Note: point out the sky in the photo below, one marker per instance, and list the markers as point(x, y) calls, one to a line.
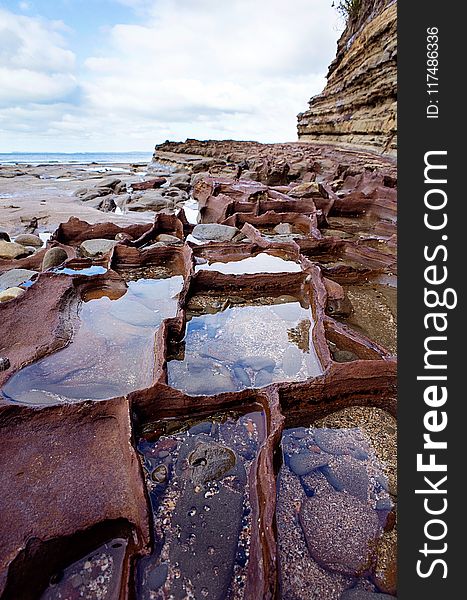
point(123, 75)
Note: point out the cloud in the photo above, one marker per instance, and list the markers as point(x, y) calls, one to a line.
point(236, 69)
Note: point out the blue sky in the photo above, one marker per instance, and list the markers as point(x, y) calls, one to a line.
point(120, 75)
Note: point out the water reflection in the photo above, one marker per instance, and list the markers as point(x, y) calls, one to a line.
point(245, 347)
point(261, 263)
point(112, 350)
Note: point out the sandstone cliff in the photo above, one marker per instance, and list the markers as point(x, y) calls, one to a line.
point(358, 105)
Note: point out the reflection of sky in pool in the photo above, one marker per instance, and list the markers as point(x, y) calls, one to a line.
point(261, 263)
point(246, 347)
point(112, 350)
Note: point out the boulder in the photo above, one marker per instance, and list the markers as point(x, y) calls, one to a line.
point(4, 236)
point(15, 277)
point(29, 239)
point(53, 258)
point(108, 182)
point(95, 248)
point(152, 200)
point(12, 250)
point(149, 184)
point(214, 232)
point(168, 239)
point(11, 294)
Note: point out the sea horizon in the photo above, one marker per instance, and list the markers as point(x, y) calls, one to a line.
point(36, 158)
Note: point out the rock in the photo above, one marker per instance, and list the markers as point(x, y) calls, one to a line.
point(12, 250)
point(121, 236)
point(359, 594)
point(209, 525)
point(107, 205)
point(96, 193)
point(29, 239)
point(181, 181)
point(149, 184)
point(341, 532)
point(306, 461)
point(283, 228)
point(95, 248)
point(152, 200)
point(242, 376)
point(157, 576)
point(214, 232)
point(120, 188)
point(364, 78)
point(210, 462)
point(53, 258)
point(304, 190)
point(347, 473)
point(11, 294)
point(342, 356)
point(385, 575)
point(15, 277)
point(109, 182)
point(79, 472)
point(4, 363)
point(4, 236)
point(168, 239)
point(335, 441)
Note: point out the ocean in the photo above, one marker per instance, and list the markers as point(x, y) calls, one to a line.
point(49, 158)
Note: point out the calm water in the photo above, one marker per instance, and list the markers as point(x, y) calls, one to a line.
point(197, 481)
point(78, 157)
point(261, 263)
point(112, 351)
point(246, 347)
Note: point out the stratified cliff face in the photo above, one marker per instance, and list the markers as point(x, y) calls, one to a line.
point(358, 105)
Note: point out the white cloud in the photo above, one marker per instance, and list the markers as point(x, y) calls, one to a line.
point(236, 69)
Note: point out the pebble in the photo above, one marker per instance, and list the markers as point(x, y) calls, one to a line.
point(11, 294)
point(29, 239)
point(347, 473)
point(214, 232)
point(53, 258)
point(12, 250)
point(283, 228)
point(4, 363)
point(342, 356)
point(158, 576)
point(210, 461)
point(98, 247)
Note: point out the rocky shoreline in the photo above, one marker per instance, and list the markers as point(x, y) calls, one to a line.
point(198, 369)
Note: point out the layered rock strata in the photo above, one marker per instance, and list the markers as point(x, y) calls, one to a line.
point(358, 105)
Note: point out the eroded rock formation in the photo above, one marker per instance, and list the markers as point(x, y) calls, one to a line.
point(358, 105)
point(169, 488)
